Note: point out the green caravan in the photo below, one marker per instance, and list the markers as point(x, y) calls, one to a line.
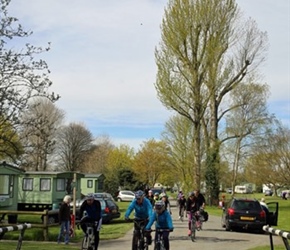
point(92, 183)
point(45, 190)
point(9, 176)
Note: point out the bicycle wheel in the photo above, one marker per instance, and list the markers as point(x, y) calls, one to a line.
point(85, 243)
point(135, 242)
point(140, 244)
point(157, 246)
point(193, 229)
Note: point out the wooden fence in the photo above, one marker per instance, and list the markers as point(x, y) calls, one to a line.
point(283, 234)
point(44, 225)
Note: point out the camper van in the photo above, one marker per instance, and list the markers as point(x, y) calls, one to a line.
point(242, 190)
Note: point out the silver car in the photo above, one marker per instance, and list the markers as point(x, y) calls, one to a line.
point(125, 195)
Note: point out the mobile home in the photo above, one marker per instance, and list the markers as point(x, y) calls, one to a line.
point(45, 190)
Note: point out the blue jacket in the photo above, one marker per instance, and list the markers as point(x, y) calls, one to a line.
point(142, 211)
point(163, 220)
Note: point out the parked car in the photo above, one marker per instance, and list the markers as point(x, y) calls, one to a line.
point(248, 214)
point(125, 195)
point(110, 210)
point(229, 190)
point(157, 190)
point(268, 192)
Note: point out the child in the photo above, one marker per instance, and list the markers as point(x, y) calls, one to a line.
point(163, 221)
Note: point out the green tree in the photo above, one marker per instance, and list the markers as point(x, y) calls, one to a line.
point(178, 136)
point(204, 53)
point(245, 123)
point(152, 162)
point(119, 165)
point(21, 76)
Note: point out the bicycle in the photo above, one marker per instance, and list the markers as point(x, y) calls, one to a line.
point(139, 241)
point(196, 224)
point(159, 242)
point(181, 215)
point(88, 242)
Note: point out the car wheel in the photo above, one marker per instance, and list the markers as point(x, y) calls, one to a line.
point(51, 220)
point(227, 226)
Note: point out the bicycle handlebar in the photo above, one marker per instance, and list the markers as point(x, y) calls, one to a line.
point(160, 230)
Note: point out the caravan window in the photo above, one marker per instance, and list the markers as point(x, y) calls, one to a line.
point(45, 184)
point(4, 188)
point(27, 184)
point(60, 184)
point(89, 183)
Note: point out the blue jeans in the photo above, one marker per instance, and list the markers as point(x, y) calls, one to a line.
point(64, 231)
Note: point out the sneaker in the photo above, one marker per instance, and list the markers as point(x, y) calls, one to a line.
point(178, 217)
point(189, 232)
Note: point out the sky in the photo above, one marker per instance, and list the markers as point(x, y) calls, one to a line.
point(102, 60)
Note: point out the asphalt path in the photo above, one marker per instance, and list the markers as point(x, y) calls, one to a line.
point(212, 236)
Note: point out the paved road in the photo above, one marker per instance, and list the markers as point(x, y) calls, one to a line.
point(213, 236)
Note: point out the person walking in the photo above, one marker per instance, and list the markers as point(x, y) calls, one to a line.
point(64, 216)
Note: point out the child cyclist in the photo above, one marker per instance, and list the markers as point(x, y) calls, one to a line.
point(163, 221)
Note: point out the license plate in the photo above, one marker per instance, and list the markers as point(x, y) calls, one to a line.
point(114, 211)
point(247, 218)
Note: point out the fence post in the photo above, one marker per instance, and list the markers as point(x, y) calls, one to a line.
point(45, 225)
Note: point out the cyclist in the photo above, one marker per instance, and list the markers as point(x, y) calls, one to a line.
point(150, 197)
point(93, 211)
point(164, 198)
point(163, 221)
point(200, 200)
point(181, 206)
point(191, 208)
point(143, 210)
point(156, 197)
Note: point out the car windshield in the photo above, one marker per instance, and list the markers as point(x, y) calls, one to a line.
point(246, 205)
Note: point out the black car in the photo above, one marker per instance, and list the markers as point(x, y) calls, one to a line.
point(110, 210)
point(248, 214)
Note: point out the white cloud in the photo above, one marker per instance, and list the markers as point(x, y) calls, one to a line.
point(102, 57)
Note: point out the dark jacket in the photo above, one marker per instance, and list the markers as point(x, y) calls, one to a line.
point(94, 211)
point(64, 212)
point(191, 205)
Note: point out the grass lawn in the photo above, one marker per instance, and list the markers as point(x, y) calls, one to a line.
point(118, 227)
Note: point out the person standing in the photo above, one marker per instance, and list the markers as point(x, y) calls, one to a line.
point(64, 216)
point(93, 211)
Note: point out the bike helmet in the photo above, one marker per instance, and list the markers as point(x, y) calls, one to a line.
point(139, 194)
point(191, 194)
point(90, 197)
point(163, 195)
point(159, 206)
point(156, 194)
